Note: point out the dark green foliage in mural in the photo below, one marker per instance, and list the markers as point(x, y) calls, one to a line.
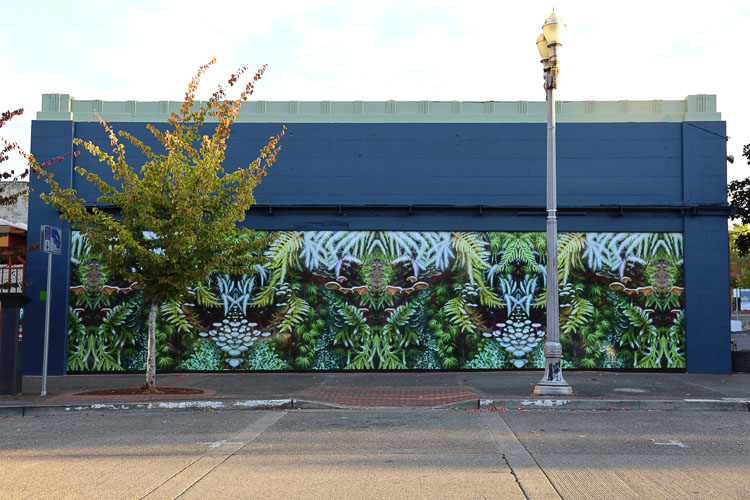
point(490, 357)
point(620, 299)
point(97, 329)
point(206, 356)
point(402, 300)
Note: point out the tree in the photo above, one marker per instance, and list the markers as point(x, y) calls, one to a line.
point(179, 212)
point(739, 269)
point(739, 193)
point(14, 254)
point(8, 147)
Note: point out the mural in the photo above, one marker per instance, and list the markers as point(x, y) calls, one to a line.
point(328, 300)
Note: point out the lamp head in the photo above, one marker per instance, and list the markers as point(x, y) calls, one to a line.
point(552, 27)
point(541, 45)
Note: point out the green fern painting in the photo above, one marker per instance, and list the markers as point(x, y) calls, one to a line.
point(387, 300)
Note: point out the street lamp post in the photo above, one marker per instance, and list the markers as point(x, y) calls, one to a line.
point(553, 382)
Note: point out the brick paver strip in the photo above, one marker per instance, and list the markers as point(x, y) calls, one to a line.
point(388, 396)
point(73, 398)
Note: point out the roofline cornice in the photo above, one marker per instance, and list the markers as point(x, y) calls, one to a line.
point(699, 107)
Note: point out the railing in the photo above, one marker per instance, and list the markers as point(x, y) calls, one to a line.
point(12, 278)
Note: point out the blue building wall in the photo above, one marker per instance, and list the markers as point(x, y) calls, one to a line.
point(612, 177)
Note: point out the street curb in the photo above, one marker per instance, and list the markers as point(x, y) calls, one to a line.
point(11, 411)
point(249, 404)
point(308, 404)
point(470, 404)
point(616, 404)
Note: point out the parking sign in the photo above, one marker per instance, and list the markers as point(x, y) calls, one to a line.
point(51, 240)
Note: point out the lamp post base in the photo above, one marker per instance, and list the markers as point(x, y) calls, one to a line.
point(549, 389)
point(553, 383)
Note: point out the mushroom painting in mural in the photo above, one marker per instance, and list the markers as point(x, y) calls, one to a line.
point(333, 285)
point(518, 336)
point(234, 335)
point(470, 293)
point(338, 285)
point(566, 294)
point(283, 292)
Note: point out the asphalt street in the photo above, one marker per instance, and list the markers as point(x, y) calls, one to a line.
point(376, 453)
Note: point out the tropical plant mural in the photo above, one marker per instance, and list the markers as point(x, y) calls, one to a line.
point(369, 300)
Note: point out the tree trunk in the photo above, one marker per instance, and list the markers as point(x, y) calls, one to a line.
point(151, 359)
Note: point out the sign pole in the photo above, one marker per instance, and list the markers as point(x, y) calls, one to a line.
point(46, 324)
point(51, 242)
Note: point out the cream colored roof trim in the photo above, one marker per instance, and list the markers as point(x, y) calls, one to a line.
point(701, 107)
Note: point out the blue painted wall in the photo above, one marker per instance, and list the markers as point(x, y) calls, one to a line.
point(445, 172)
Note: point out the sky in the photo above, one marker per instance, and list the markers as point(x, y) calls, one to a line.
point(376, 50)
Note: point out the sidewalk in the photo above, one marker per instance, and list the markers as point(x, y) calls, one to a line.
point(471, 390)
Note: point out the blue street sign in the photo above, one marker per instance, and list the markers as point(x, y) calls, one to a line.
point(51, 240)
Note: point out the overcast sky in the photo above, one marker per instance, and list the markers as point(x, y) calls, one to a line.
point(363, 50)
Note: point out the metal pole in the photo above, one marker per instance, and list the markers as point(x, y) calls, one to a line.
point(738, 302)
point(553, 382)
point(46, 324)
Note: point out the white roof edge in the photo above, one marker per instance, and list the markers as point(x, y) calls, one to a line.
point(698, 107)
point(5, 224)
